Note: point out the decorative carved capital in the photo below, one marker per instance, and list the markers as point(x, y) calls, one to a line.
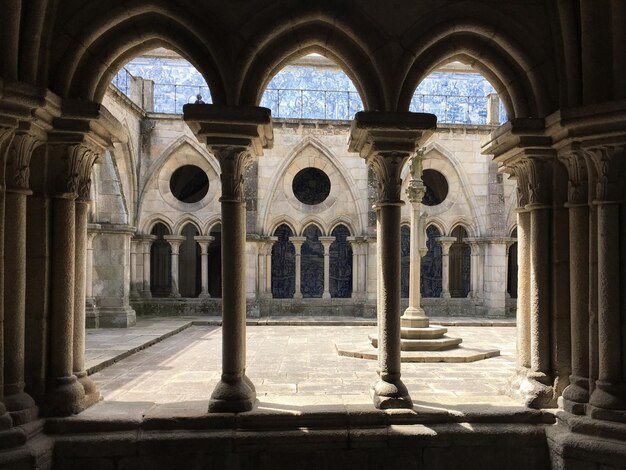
point(233, 162)
point(415, 190)
point(388, 166)
point(608, 161)
point(18, 162)
point(539, 171)
point(74, 163)
point(574, 161)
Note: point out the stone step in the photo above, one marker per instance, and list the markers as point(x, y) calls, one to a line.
point(430, 332)
point(438, 344)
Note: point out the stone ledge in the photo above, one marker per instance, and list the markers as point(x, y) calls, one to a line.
point(365, 350)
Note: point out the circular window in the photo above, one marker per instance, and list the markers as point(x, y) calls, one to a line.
point(436, 187)
point(311, 186)
point(189, 184)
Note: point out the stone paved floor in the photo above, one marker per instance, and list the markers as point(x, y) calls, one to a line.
point(296, 362)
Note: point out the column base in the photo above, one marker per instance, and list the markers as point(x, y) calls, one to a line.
point(117, 317)
point(607, 402)
point(414, 318)
point(232, 395)
point(175, 296)
point(391, 395)
point(5, 419)
point(92, 395)
point(576, 395)
point(326, 296)
point(64, 396)
point(579, 442)
point(446, 295)
point(531, 388)
point(146, 294)
point(297, 296)
point(21, 407)
point(204, 295)
point(92, 315)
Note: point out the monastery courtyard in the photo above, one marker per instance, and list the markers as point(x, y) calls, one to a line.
point(291, 362)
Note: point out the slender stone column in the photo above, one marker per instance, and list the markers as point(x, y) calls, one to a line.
point(175, 241)
point(234, 135)
point(326, 242)
point(539, 170)
point(20, 405)
point(268, 265)
point(608, 399)
point(204, 241)
point(91, 394)
point(134, 244)
point(446, 243)
point(92, 319)
point(474, 268)
point(297, 243)
point(523, 289)
point(576, 394)
point(6, 137)
point(358, 269)
point(414, 314)
point(385, 141)
point(146, 244)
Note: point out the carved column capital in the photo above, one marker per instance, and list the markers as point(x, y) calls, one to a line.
point(539, 174)
point(175, 241)
point(233, 162)
point(326, 242)
point(415, 190)
point(446, 243)
point(71, 174)
point(204, 241)
point(573, 157)
point(18, 159)
point(608, 162)
point(297, 243)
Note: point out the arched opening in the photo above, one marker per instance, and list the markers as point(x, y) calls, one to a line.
point(312, 263)
point(161, 81)
point(458, 94)
point(511, 279)
point(160, 259)
point(189, 263)
point(405, 253)
point(431, 264)
point(340, 281)
point(460, 264)
point(283, 264)
point(312, 87)
point(215, 263)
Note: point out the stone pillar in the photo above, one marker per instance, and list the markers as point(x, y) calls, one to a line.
point(539, 171)
point(6, 137)
point(385, 141)
point(20, 405)
point(415, 314)
point(326, 242)
point(146, 244)
point(359, 272)
point(446, 243)
point(92, 318)
point(204, 241)
point(175, 241)
point(134, 244)
point(576, 394)
point(267, 265)
point(475, 290)
point(608, 399)
point(297, 243)
point(234, 135)
point(523, 289)
point(91, 394)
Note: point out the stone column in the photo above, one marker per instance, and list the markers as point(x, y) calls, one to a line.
point(576, 394)
point(385, 141)
point(446, 243)
point(146, 244)
point(175, 241)
point(20, 405)
point(234, 135)
point(523, 288)
point(91, 394)
point(326, 242)
point(267, 272)
point(204, 241)
point(414, 315)
point(608, 399)
point(358, 267)
point(91, 310)
point(134, 244)
point(475, 291)
point(297, 243)
point(6, 137)
point(539, 171)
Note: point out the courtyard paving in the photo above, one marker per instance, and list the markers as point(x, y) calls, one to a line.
point(287, 363)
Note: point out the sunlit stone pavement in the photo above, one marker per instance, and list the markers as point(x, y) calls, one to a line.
point(295, 362)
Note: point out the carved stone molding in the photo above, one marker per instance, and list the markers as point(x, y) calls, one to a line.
point(608, 161)
point(18, 161)
point(233, 163)
point(573, 158)
point(539, 173)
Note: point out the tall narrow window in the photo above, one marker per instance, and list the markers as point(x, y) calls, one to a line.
point(312, 263)
point(160, 259)
point(405, 253)
point(460, 264)
point(283, 264)
point(189, 263)
point(431, 264)
point(340, 282)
